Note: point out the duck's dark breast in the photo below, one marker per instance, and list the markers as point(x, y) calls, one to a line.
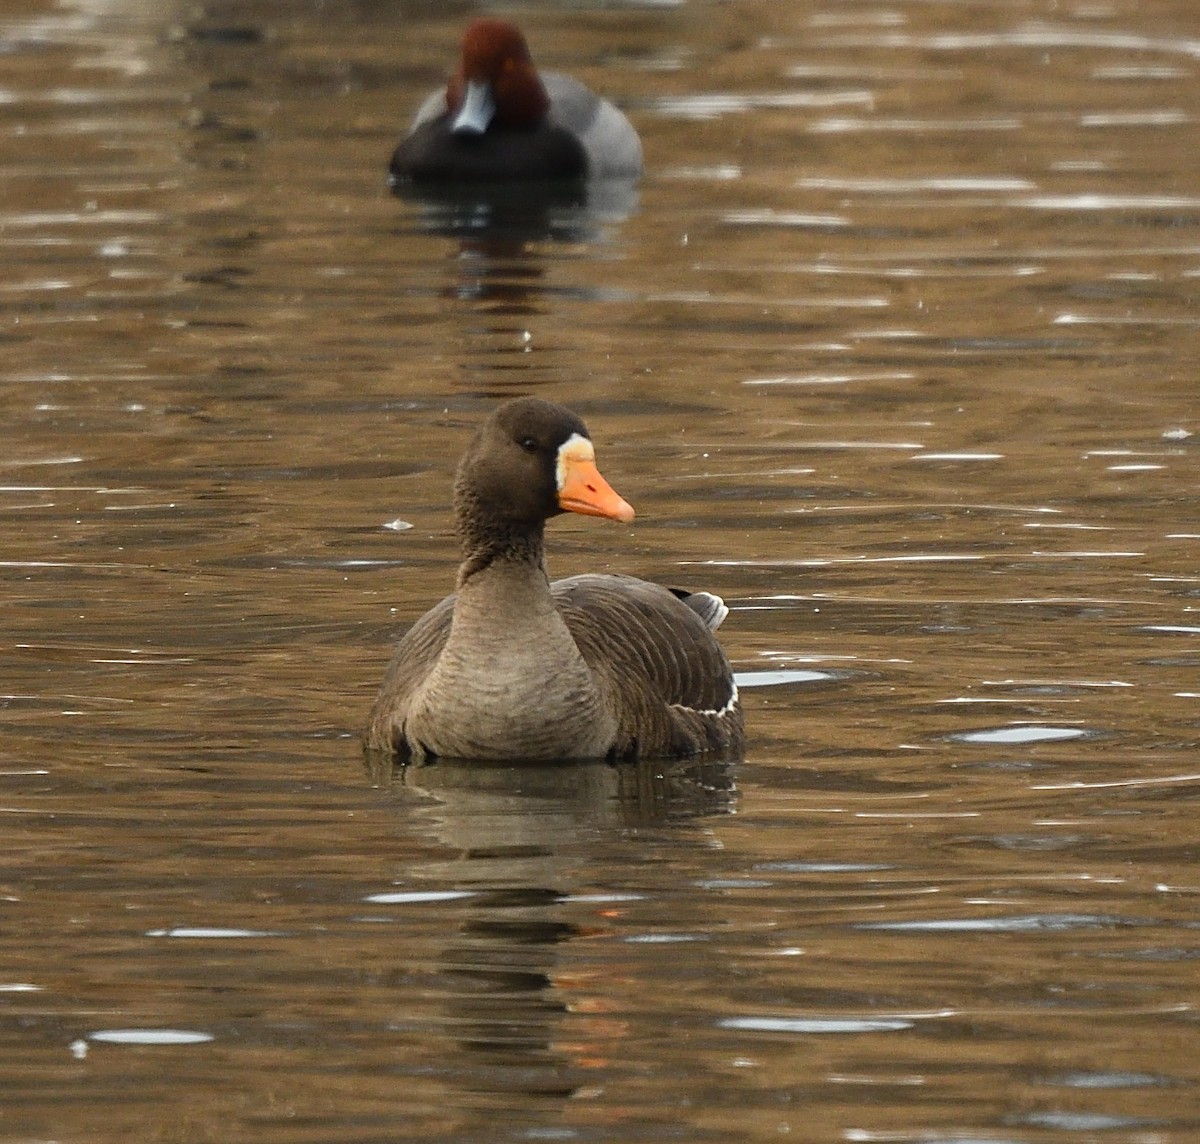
point(433, 153)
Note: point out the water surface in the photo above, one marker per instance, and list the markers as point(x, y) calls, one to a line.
point(894, 347)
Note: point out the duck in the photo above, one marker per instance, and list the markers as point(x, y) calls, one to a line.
point(515, 667)
point(498, 119)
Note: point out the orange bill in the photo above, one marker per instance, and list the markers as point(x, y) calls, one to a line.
point(582, 489)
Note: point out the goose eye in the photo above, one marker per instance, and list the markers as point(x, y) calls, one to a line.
point(528, 444)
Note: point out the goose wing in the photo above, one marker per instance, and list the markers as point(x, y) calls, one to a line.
point(667, 678)
point(415, 656)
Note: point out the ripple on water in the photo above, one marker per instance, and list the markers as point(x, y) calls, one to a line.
point(958, 457)
point(714, 105)
point(212, 932)
point(1106, 1080)
point(815, 1024)
point(664, 938)
point(823, 867)
point(417, 897)
point(1085, 1121)
point(150, 1036)
point(1021, 923)
point(844, 1023)
point(782, 677)
point(1023, 733)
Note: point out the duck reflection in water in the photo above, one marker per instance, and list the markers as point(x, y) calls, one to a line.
point(506, 151)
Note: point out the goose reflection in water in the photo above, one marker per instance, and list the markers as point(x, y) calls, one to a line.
point(523, 879)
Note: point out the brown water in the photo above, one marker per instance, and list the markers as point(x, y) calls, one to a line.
point(895, 347)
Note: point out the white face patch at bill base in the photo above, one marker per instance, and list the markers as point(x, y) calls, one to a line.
point(574, 448)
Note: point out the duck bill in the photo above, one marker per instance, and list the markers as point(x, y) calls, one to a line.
point(478, 108)
point(582, 489)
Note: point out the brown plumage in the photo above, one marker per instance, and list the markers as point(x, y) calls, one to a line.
point(513, 666)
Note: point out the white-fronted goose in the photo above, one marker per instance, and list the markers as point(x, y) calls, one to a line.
point(513, 666)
